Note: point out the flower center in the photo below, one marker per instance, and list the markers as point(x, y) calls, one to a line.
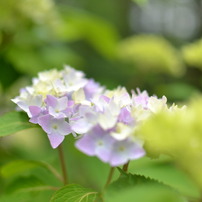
point(55, 127)
point(57, 110)
point(121, 148)
point(100, 143)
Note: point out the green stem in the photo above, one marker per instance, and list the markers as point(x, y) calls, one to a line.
point(111, 172)
point(125, 167)
point(53, 171)
point(63, 166)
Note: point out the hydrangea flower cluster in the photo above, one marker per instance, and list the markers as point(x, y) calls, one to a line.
point(66, 102)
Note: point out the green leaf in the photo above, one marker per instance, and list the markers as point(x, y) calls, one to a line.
point(13, 122)
point(140, 2)
point(39, 59)
point(164, 171)
point(98, 32)
point(26, 197)
point(145, 53)
point(74, 193)
point(129, 180)
point(132, 188)
point(27, 190)
point(144, 193)
point(18, 167)
point(191, 54)
point(27, 184)
point(177, 90)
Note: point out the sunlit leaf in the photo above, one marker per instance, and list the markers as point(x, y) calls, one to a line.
point(13, 122)
point(192, 54)
point(74, 193)
point(145, 53)
point(177, 134)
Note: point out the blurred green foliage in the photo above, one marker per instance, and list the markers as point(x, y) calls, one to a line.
point(192, 54)
point(132, 188)
point(96, 36)
point(151, 54)
point(140, 1)
point(177, 134)
point(30, 33)
point(39, 35)
point(14, 122)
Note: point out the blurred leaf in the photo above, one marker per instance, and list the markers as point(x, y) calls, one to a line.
point(132, 188)
point(27, 184)
point(140, 2)
point(13, 122)
point(176, 90)
point(57, 56)
point(18, 167)
point(27, 196)
point(192, 54)
point(74, 193)
point(24, 13)
point(166, 172)
point(39, 59)
point(144, 193)
point(99, 33)
point(181, 137)
point(145, 53)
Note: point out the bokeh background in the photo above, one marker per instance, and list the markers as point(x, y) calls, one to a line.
point(153, 45)
point(150, 44)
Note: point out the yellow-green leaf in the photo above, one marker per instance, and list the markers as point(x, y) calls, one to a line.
point(74, 193)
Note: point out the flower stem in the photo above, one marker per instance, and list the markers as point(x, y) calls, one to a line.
point(125, 167)
point(111, 172)
point(62, 163)
point(53, 171)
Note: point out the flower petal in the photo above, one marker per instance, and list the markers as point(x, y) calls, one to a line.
point(55, 139)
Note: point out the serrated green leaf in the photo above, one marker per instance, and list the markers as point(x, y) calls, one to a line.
point(167, 173)
point(144, 193)
point(132, 188)
point(129, 180)
point(74, 193)
point(13, 122)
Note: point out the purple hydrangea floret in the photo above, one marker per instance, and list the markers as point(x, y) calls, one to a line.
point(55, 128)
